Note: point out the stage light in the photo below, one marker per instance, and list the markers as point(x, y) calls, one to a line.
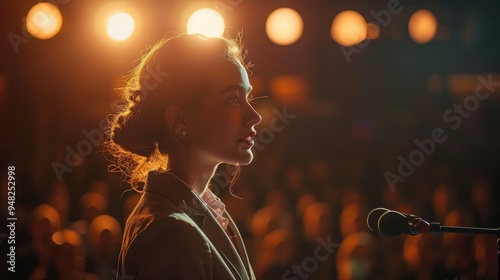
point(116, 21)
point(284, 26)
point(44, 20)
point(348, 28)
point(422, 26)
point(207, 22)
point(120, 26)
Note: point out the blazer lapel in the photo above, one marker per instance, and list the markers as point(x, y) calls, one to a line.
point(224, 245)
point(238, 243)
point(189, 202)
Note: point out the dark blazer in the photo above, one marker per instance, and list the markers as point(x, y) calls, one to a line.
point(171, 234)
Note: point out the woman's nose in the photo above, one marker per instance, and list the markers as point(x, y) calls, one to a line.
point(252, 118)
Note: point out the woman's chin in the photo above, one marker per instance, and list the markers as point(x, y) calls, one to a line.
point(242, 158)
point(246, 162)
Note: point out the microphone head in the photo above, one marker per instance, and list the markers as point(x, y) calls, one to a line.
point(392, 223)
point(373, 217)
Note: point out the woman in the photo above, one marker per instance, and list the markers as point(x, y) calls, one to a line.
point(187, 111)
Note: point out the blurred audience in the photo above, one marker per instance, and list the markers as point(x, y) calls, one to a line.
point(356, 258)
point(277, 255)
point(302, 221)
point(69, 256)
point(45, 221)
point(59, 198)
point(104, 237)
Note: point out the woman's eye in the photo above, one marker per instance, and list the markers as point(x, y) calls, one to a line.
point(236, 101)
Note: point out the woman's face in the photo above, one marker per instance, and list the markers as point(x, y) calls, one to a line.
point(221, 130)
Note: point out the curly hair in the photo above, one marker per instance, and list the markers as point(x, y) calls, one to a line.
point(180, 67)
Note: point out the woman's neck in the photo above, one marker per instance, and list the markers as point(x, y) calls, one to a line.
point(196, 178)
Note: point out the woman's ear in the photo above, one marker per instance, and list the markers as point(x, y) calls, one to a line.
point(176, 120)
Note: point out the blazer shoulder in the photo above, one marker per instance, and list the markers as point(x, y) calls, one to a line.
point(175, 230)
point(172, 245)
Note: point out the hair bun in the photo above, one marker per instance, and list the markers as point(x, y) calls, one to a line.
point(134, 134)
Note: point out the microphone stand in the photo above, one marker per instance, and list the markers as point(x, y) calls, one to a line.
point(436, 227)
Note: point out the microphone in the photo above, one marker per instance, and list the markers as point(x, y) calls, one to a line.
point(372, 218)
point(394, 223)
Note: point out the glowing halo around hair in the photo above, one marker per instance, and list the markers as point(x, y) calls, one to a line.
point(207, 22)
point(43, 21)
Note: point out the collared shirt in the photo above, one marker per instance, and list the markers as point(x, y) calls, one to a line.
point(216, 207)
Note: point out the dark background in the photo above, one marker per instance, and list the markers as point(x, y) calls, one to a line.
point(352, 123)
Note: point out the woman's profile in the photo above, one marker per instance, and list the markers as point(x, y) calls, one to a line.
point(187, 111)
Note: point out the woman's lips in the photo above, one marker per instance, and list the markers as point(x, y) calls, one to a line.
point(248, 140)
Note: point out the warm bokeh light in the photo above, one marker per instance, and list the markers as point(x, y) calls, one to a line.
point(120, 26)
point(289, 89)
point(422, 26)
point(462, 85)
point(348, 28)
point(372, 31)
point(101, 224)
point(207, 22)
point(44, 20)
point(58, 238)
point(284, 26)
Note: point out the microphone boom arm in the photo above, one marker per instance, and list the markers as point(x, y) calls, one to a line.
point(436, 227)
